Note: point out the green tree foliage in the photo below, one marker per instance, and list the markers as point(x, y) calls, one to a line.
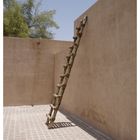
point(9, 3)
point(39, 23)
point(27, 10)
point(33, 23)
point(14, 24)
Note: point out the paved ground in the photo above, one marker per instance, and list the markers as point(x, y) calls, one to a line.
point(28, 123)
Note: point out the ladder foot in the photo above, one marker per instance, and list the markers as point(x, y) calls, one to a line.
point(50, 125)
point(47, 122)
point(48, 119)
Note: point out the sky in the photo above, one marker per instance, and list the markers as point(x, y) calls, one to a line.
point(66, 12)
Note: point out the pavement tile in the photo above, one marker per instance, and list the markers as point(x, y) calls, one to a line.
point(28, 123)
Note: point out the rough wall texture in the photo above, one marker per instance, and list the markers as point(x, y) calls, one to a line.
point(102, 86)
point(29, 70)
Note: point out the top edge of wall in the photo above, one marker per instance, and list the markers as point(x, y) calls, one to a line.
point(37, 39)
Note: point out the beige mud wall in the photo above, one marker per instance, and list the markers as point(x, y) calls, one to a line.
point(102, 86)
point(29, 70)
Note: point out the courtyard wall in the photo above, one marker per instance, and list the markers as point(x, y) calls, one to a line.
point(102, 85)
point(29, 66)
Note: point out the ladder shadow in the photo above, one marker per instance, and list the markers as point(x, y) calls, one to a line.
point(62, 124)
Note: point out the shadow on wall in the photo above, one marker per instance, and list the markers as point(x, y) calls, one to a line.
point(75, 121)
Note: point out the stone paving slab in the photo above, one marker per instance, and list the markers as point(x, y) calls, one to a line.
point(28, 123)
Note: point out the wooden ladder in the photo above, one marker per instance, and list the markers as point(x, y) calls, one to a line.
point(57, 97)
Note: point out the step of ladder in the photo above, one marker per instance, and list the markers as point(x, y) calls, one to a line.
point(57, 97)
point(61, 85)
point(71, 47)
point(52, 106)
point(65, 75)
point(67, 65)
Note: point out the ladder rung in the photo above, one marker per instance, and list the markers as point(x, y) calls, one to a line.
point(61, 85)
point(66, 65)
point(57, 96)
point(71, 47)
point(65, 75)
point(52, 106)
point(81, 22)
point(85, 20)
point(79, 34)
point(78, 28)
point(75, 44)
point(68, 56)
